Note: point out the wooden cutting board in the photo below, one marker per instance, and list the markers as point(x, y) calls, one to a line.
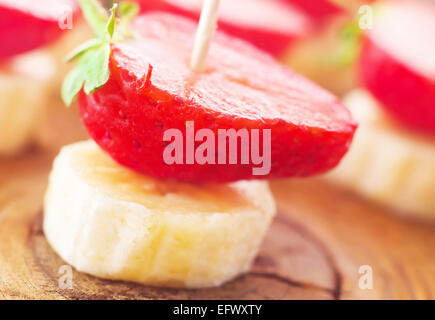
point(314, 250)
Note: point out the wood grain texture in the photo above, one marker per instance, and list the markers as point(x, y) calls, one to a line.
point(314, 249)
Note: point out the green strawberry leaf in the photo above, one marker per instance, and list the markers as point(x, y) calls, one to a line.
point(72, 84)
point(350, 45)
point(77, 52)
point(110, 26)
point(95, 15)
point(128, 10)
point(96, 68)
point(93, 56)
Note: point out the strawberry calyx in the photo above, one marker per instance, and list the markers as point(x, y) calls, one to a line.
point(92, 57)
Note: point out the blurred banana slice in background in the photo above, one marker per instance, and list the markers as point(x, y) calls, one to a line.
point(25, 87)
point(110, 222)
point(386, 163)
point(31, 109)
point(57, 124)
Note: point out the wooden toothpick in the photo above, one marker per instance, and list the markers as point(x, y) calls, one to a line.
point(206, 28)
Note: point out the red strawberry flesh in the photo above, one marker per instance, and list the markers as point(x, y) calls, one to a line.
point(29, 24)
point(151, 89)
point(270, 25)
point(398, 63)
point(318, 10)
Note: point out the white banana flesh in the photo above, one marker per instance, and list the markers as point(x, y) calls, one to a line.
point(59, 125)
point(386, 163)
point(24, 91)
point(110, 222)
point(31, 109)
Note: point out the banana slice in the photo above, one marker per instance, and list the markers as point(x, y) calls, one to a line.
point(386, 163)
point(110, 222)
point(30, 104)
point(24, 89)
point(58, 125)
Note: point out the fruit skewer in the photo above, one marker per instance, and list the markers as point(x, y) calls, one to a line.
point(173, 225)
point(392, 160)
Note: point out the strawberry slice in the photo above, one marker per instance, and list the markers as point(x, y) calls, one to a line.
point(318, 10)
point(398, 63)
point(151, 89)
point(270, 25)
point(351, 6)
point(28, 24)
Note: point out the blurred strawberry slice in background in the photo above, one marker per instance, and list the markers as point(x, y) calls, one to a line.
point(271, 25)
point(318, 10)
point(398, 62)
point(28, 24)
